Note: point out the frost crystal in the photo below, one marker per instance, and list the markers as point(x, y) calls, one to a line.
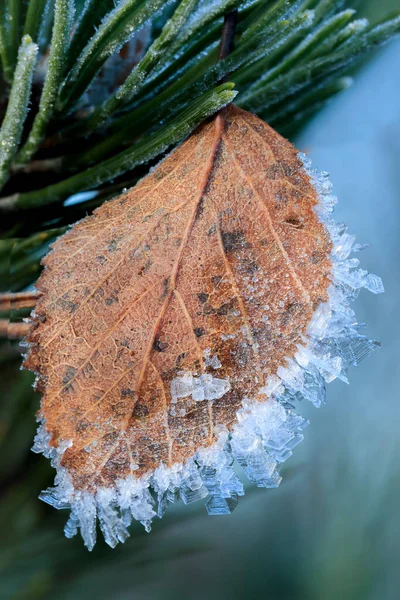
point(211, 361)
point(205, 387)
point(265, 432)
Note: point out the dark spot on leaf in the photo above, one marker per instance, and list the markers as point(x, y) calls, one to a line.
point(316, 257)
point(222, 310)
point(226, 308)
point(69, 374)
point(82, 425)
point(200, 209)
point(203, 297)
point(67, 305)
point(290, 309)
point(180, 358)
point(294, 222)
point(215, 280)
point(112, 246)
point(119, 409)
point(199, 331)
point(140, 411)
point(68, 389)
point(250, 267)
point(111, 437)
point(233, 240)
point(159, 346)
point(165, 288)
point(282, 197)
point(288, 169)
point(158, 175)
point(145, 268)
point(274, 171)
point(127, 392)
point(87, 369)
point(110, 300)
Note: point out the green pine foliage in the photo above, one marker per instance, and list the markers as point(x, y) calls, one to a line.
point(93, 93)
point(88, 125)
point(116, 85)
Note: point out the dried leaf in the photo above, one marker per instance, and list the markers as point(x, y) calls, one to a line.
point(217, 251)
point(173, 303)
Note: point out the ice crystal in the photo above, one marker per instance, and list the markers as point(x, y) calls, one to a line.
point(211, 361)
point(265, 432)
point(205, 387)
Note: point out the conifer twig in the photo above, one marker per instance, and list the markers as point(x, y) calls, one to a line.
point(204, 106)
point(11, 129)
point(15, 301)
point(13, 331)
point(115, 30)
point(205, 73)
point(131, 86)
point(59, 43)
point(5, 47)
point(14, 18)
point(228, 34)
point(34, 18)
point(92, 14)
point(283, 52)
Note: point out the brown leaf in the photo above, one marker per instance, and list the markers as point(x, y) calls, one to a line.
point(216, 257)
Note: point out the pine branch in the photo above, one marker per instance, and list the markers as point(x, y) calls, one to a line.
point(132, 85)
point(63, 15)
point(320, 68)
point(5, 45)
point(290, 57)
point(204, 106)
point(14, 18)
point(305, 104)
point(175, 97)
point(20, 258)
point(17, 301)
point(11, 129)
point(88, 23)
point(299, 54)
point(34, 18)
point(116, 29)
point(13, 331)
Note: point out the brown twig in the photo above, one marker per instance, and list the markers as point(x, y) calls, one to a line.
point(13, 331)
point(227, 36)
point(15, 301)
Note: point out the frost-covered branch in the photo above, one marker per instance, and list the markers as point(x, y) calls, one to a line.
point(11, 129)
point(131, 86)
point(63, 15)
point(204, 106)
point(118, 26)
point(34, 18)
point(289, 58)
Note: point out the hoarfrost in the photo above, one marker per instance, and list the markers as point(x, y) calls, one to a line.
point(265, 432)
point(211, 361)
point(204, 387)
